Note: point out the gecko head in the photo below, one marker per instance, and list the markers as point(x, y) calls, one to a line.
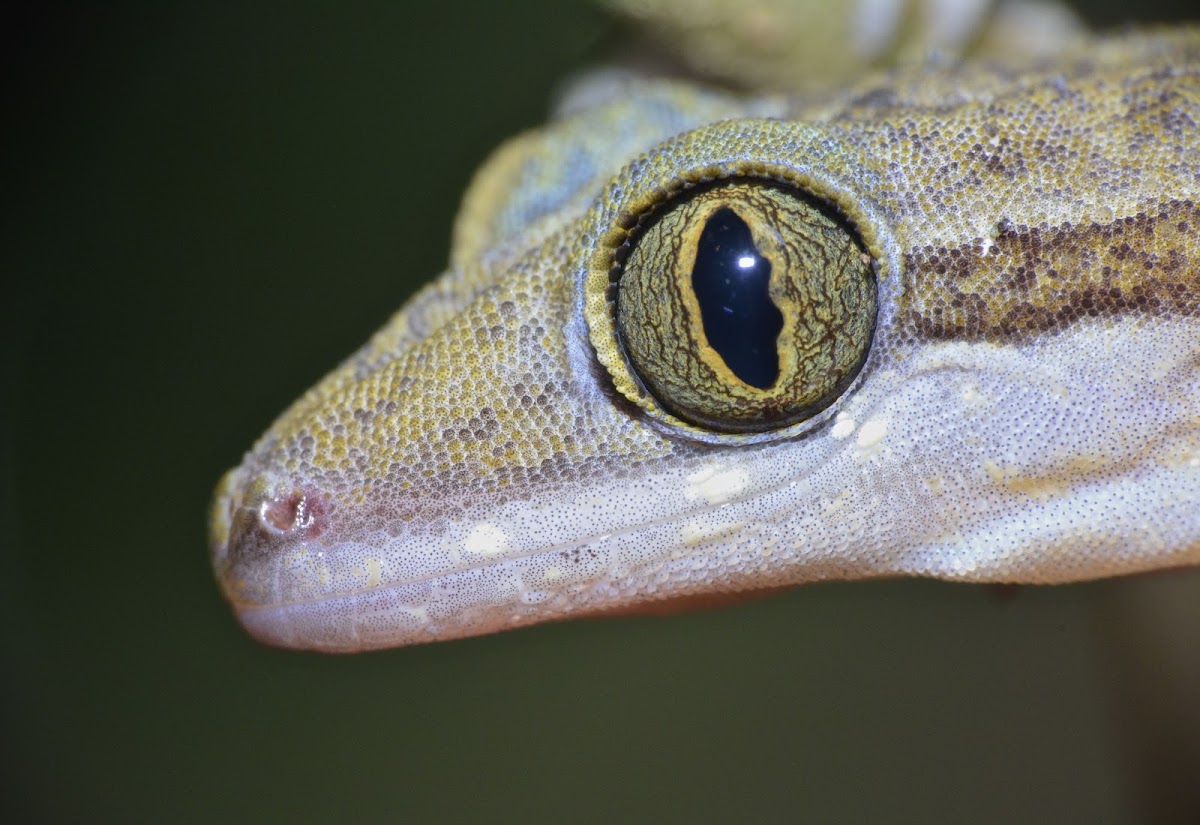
point(546, 433)
point(492, 459)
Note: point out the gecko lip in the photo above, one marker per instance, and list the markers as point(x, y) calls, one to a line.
point(296, 579)
point(299, 574)
point(497, 567)
point(395, 614)
point(290, 590)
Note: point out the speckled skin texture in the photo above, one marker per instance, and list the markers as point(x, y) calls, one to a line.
point(1029, 410)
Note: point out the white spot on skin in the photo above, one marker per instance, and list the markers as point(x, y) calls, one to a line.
point(418, 613)
point(970, 395)
point(699, 533)
point(872, 432)
point(843, 427)
point(835, 505)
point(716, 485)
point(486, 538)
point(995, 472)
point(374, 572)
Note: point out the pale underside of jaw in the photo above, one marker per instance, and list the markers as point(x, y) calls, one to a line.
point(1070, 459)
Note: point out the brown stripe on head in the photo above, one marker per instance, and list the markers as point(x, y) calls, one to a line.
point(1034, 280)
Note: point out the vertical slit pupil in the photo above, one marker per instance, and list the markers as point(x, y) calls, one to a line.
point(730, 281)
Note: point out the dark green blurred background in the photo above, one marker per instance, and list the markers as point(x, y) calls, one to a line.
point(209, 207)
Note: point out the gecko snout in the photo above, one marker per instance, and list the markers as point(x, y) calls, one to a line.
point(255, 523)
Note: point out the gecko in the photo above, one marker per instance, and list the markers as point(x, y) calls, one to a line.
point(920, 300)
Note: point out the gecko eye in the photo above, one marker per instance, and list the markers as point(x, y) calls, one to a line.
point(745, 306)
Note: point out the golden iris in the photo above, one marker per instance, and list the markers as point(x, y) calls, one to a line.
point(745, 306)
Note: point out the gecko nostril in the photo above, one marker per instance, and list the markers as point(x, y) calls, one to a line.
point(297, 510)
point(263, 529)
